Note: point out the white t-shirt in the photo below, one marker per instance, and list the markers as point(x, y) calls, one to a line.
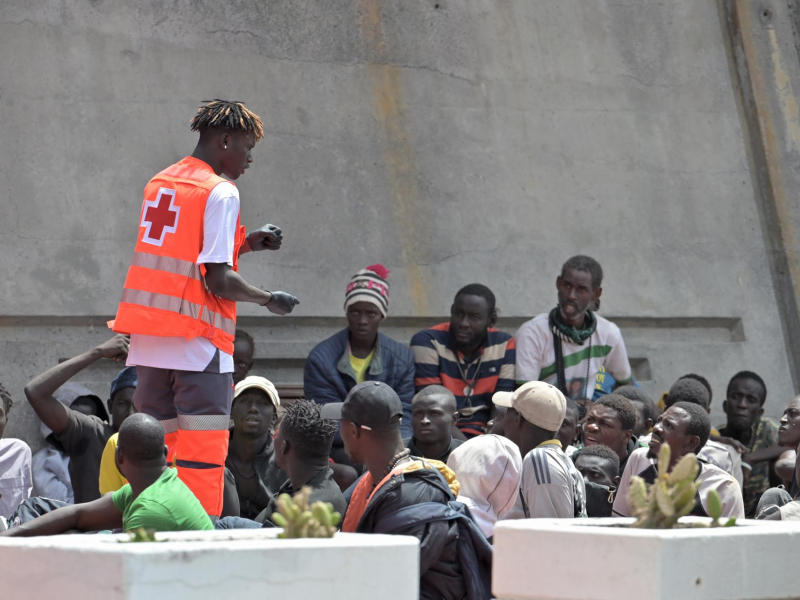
point(536, 356)
point(16, 480)
point(710, 478)
point(551, 486)
point(721, 455)
point(219, 235)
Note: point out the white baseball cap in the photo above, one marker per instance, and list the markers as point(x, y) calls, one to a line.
point(538, 402)
point(260, 383)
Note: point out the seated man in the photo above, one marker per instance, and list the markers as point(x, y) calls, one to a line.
point(371, 416)
point(685, 427)
point(752, 432)
point(83, 437)
point(569, 428)
point(360, 352)
point(154, 498)
point(782, 504)
point(789, 438)
point(610, 422)
point(489, 470)
point(550, 485)
point(243, 349)
point(692, 390)
point(646, 411)
point(16, 481)
point(599, 466)
point(302, 449)
point(433, 414)
point(51, 464)
point(110, 477)
point(251, 449)
point(468, 356)
point(584, 340)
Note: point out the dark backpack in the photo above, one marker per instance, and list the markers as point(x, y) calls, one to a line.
point(33, 508)
point(474, 550)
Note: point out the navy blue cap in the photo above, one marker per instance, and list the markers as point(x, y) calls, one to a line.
point(125, 379)
point(371, 404)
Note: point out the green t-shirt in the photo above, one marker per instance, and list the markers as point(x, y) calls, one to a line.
point(167, 505)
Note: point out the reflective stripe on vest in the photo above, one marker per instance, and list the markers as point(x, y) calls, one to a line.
point(179, 306)
point(168, 264)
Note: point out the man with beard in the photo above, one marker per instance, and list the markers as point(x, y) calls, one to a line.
point(685, 427)
point(468, 356)
point(568, 346)
point(747, 425)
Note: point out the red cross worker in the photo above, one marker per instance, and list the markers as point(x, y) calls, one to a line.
point(179, 300)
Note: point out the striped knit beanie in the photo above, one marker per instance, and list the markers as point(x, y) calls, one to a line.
point(369, 285)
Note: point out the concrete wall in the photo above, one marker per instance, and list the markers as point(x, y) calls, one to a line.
point(454, 141)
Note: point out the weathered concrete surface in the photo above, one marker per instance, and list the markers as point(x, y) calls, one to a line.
point(768, 77)
point(745, 562)
point(207, 565)
point(453, 141)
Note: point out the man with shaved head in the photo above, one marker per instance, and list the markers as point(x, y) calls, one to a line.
point(433, 414)
point(153, 498)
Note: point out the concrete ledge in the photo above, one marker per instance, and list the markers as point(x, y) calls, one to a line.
point(557, 559)
point(212, 564)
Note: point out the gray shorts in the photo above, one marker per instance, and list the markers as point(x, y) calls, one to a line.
point(187, 400)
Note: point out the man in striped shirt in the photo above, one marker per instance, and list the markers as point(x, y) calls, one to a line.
point(468, 356)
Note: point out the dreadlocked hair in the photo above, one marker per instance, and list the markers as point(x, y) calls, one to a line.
point(228, 115)
point(310, 435)
point(5, 398)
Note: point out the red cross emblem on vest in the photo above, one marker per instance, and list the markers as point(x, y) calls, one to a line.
point(160, 217)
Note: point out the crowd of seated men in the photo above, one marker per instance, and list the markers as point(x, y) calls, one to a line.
point(440, 438)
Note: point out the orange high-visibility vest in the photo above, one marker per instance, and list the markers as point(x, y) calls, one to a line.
point(165, 293)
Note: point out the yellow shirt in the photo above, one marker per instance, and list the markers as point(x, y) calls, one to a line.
point(110, 478)
point(360, 366)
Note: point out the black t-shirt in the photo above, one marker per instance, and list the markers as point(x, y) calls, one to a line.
point(323, 489)
point(84, 440)
point(411, 444)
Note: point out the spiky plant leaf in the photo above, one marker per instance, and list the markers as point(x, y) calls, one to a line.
point(714, 505)
point(685, 470)
point(663, 460)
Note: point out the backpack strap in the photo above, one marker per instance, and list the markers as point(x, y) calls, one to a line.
point(561, 377)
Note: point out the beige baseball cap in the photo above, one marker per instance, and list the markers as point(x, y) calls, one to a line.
point(538, 402)
point(260, 383)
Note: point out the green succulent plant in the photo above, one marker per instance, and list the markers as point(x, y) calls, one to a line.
point(299, 520)
point(672, 495)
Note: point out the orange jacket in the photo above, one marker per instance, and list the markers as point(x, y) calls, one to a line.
point(165, 293)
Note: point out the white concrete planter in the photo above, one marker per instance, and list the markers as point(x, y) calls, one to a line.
point(218, 565)
point(559, 559)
